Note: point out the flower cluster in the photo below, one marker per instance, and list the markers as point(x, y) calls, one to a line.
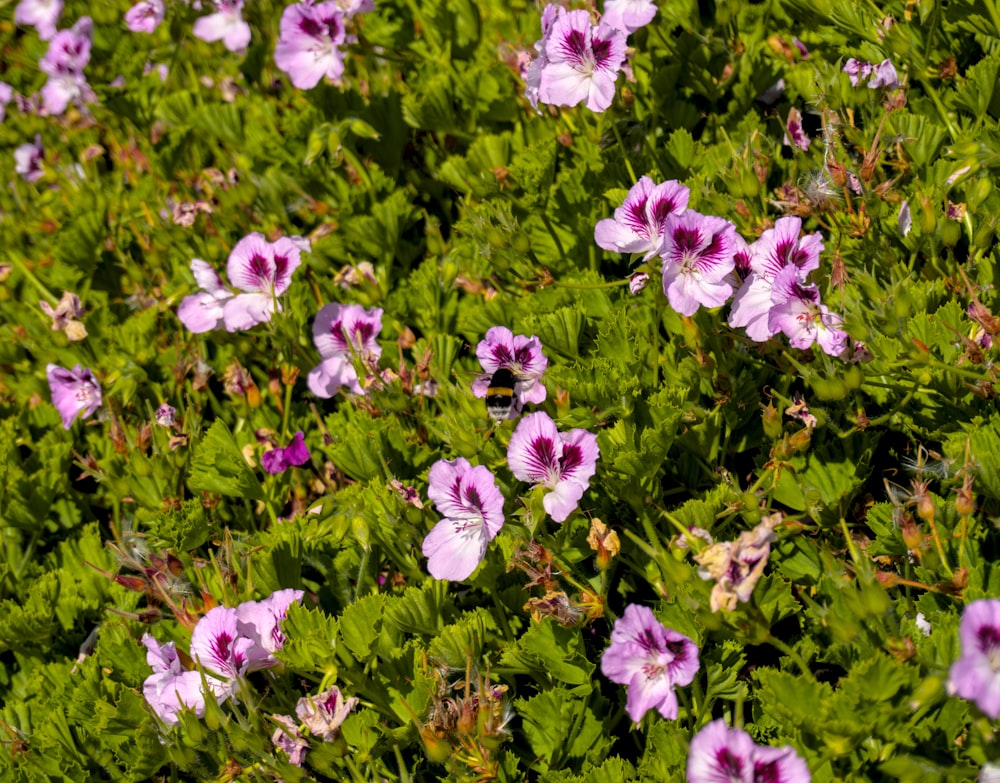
point(226, 644)
point(74, 392)
point(320, 715)
point(976, 674)
point(68, 55)
point(650, 659)
point(261, 270)
point(523, 356)
point(344, 333)
point(719, 753)
point(705, 262)
point(881, 75)
point(312, 36)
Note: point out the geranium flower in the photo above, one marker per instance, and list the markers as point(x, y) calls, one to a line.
point(472, 506)
point(343, 334)
point(796, 311)
point(697, 253)
point(43, 15)
point(145, 16)
point(218, 647)
point(719, 753)
point(560, 461)
point(288, 737)
point(170, 687)
point(522, 356)
point(203, 312)
point(976, 674)
point(309, 44)
point(260, 621)
point(638, 223)
point(67, 56)
point(74, 392)
point(628, 15)
point(533, 73)
point(651, 660)
point(884, 76)
point(582, 62)
point(281, 459)
point(794, 132)
point(736, 566)
point(323, 713)
point(225, 25)
point(28, 160)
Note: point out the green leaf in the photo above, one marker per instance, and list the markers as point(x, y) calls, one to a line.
point(218, 466)
point(360, 624)
point(681, 147)
point(561, 726)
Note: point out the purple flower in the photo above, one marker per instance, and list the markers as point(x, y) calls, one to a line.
point(976, 674)
point(309, 46)
point(796, 311)
point(145, 16)
point(794, 133)
point(322, 714)
point(6, 96)
point(719, 753)
point(628, 15)
point(472, 506)
point(885, 76)
point(280, 460)
point(857, 71)
point(28, 160)
point(260, 621)
point(533, 73)
point(170, 687)
point(67, 56)
point(222, 651)
point(560, 461)
point(343, 334)
point(582, 62)
point(288, 738)
point(74, 392)
point(697, 254)
point(203, 312)
point(225, 25)
point(639, 222)
point(637, 282)
point(650, 659)
point(166, 415)
point(522, 356)
point(43, 15)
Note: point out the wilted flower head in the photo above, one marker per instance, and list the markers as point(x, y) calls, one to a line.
point(472, 506)
point(976, 674)
point(145, 16)
point(638, 223)
point(562, 462)
point(719, 753)
point(736, 566)
point(43, 15)
point(280, 460)
point(522, 356)
point(881, 75)
point(794, 133)
point(650, 659)
point(344, 334)
point(322, 714)
point(66, 316)
point(225, 25)
point(628, 15)
point(309, 45)
point(166, 414)
point(288, 738)
point(697, 253)
point(581, 62)
point(28, 160)
point(74, 392)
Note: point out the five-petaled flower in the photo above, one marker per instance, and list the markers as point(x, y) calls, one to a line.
point(720, 754)
point(472, 506)
point(309, 45)
point(170, 687)
point(344, 334)
point(651, 660)
point(562, 462)
point(281, 459)
point(74, 392)
point(697, 253)
point(225, 25)
point(638, 223)
point(976, 674)
point(522, 356)
point(796, 311)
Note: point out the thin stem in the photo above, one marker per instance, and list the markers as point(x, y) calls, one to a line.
point(621, 144)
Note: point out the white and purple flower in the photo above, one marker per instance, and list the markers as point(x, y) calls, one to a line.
point(976, 674)
point(344, 334)
point(651, 660)
point(260, 621)
point(28, 160)
point(145, 16)
point(308, 48)
point(719, 753)
point(281, 459)
point(67, 56)
point(881, 75)
point(697, 253)
point(562, 462)
point(225, 25)
point(323, 713)
point(522, 356)
point(170, 687)
point(74, 392)
point(472, 506)
point(581, 62)
point(796, 311)
point(638, 224)
point(628, 15)
point(43, 15)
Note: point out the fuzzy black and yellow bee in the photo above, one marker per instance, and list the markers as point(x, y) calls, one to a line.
point(500, 397)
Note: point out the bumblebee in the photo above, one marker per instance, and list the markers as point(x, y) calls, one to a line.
point(500, 397)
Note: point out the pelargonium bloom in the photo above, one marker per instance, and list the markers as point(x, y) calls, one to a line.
point(288, 737)
point(260, 621)
point(651, 660)
point(343, 334)
point(857, 70)
point(145, 16)
point(736, 566)
point(976, 674)
point(222, 651)
point(43, 15)
point(203, 311)
point(309, 44)
point(281, 459)
point(697, 253)
point(560, 461)
point(67, 56)
point(628, 15)
point(170, 687)
point(28, 160)
point(533, 72)
point(796, 311)
point(225, 25)
point(472, 506)
point(323, 713)
point(719, 753)
point(884, 76)
point(522, 356)
point(638, 223)
point(74, 392)
point(582, 62)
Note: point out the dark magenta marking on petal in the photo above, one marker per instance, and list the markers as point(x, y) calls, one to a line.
point(571, 459)
point(310, 27)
